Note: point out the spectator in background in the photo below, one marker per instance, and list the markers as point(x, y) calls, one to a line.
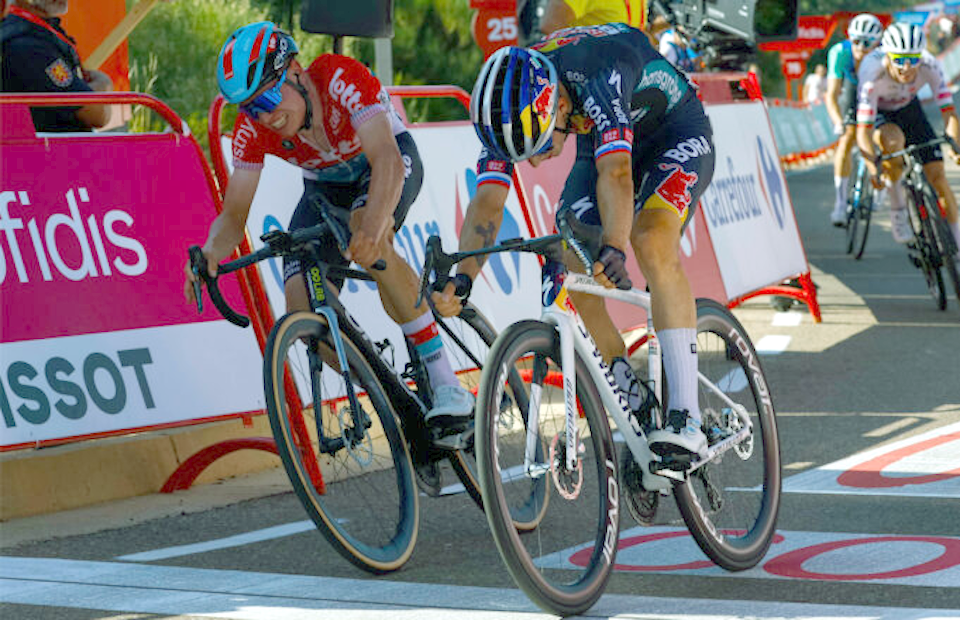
point(815, 85)
point(38, 56)
point(559, 14)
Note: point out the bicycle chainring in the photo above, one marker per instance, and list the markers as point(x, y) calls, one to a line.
point(641, 503)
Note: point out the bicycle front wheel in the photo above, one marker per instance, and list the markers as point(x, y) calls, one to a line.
point(366, 504)
point(863, 213)
point(946, 244)
point(926, 252)
point(522, 454)
point(730, 504)
point(468, 338)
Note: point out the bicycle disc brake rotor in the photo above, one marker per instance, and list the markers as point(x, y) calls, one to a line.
point(568, 482)
point(361, 449)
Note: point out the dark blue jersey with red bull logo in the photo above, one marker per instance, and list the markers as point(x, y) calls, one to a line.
point(624, 92)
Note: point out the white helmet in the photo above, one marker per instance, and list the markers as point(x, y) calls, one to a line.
point(903, 38)
point(865, 26)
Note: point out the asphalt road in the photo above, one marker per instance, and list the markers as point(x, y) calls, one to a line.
point(875, 386)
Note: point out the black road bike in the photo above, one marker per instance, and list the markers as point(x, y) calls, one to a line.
point(933, 247)
point(356, 448)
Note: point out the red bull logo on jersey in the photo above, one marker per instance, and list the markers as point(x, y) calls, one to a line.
point(675, 189)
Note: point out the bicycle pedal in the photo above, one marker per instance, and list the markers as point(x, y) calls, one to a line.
point(452, 439)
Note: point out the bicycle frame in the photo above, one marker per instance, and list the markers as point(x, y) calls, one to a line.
point(559, 312)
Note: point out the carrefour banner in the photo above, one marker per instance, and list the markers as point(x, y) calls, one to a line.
point(95, 336)
point(747, 205)
point(508, 288)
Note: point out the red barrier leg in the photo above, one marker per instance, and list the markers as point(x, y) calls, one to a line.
point(804, 291)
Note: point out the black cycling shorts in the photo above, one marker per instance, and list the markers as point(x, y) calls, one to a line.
point(916, 128)
point(847, 102)
point(349, 197)
point(676, 163)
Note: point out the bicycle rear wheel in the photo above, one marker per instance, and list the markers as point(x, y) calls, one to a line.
point(468, 338)
point(564, 564)
point(926, 253)
point(730, 505)
point(367, 505)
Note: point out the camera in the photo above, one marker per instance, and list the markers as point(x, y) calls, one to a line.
point(726, 32)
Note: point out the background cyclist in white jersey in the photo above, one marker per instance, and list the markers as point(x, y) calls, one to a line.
point(843, 60)
point(889, 116)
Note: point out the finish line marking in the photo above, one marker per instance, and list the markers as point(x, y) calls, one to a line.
point(238, 595)
point(927, 465)
point(895, 559)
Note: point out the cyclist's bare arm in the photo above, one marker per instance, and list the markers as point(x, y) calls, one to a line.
point(952, 125)
point(226, 231)
point(834, 86)
point(615, 202)
point(386, 183)
point(480, 227)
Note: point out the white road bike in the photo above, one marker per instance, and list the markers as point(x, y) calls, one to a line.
point(556, 457)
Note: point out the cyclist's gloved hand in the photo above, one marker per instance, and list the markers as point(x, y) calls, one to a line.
point(838, 129)
point(611, 263)
point(449, 294)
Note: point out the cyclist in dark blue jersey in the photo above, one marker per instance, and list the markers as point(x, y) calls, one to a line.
point(644, 156)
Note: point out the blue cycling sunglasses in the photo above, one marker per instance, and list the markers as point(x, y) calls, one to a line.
point(905, 60)
point(267, 101)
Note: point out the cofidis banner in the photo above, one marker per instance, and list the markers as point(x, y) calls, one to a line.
point(95, 335)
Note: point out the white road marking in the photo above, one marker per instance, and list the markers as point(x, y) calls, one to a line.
point(787, 319)
point(237, 595)
point(926, 465)
point(239, 540)
point(773, 344)
point(894, 559)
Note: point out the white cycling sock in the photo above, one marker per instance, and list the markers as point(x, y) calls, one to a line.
point(425, 336)
point(679, 347)
point(841, 184)
point(896, 195)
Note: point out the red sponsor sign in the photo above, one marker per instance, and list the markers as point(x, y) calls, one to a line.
point(813, 32)
point(495, 27)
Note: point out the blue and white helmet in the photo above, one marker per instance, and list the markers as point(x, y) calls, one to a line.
point(252, 56)
point(904, 38)
point(514, 103)
point(865, 26)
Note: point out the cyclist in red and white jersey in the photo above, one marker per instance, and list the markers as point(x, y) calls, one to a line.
point(334, 120)
point(889, 116)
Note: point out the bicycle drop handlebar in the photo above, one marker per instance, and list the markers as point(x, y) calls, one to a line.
point(276, 243)
point(911, 149)
point(583, 239)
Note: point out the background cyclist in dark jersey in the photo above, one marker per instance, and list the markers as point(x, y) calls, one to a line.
point(649, 156)
point(335, 121)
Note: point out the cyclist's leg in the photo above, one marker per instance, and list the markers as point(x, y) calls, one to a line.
point(889, 136)
point(666, 198)
point(580, 193)
point(842, 162)
point(398, 285)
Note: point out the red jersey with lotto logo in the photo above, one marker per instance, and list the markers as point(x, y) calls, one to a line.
point(349, 96)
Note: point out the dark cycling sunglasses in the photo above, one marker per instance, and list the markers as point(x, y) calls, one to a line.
point(863, 42)
point(905, 60)
point(267, 101)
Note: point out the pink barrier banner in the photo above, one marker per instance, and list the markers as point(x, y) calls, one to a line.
point(98, 245)
point(95, 335)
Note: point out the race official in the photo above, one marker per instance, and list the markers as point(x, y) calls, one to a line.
point(38, 56)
